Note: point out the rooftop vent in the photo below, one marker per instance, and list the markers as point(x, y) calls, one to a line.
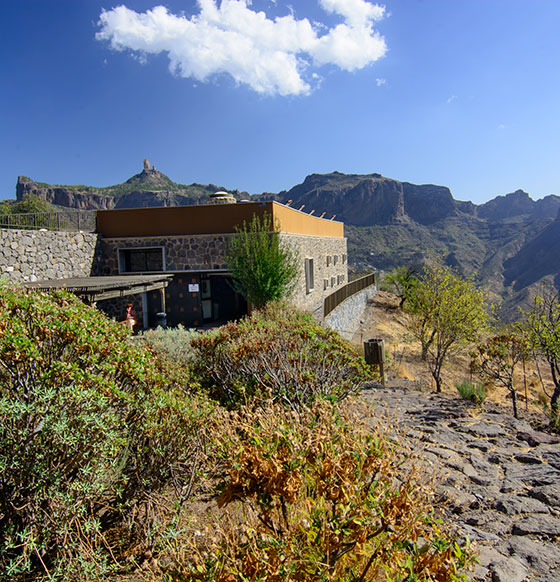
point(222, 198)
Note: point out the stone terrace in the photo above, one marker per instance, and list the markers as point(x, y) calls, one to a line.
point(498, 479)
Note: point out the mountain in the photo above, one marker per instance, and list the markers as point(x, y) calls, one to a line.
point(365, 200)
point(146, 189)
point(511, 243)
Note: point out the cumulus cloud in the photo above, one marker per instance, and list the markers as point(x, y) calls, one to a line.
point(381, 82)
point(272, 56)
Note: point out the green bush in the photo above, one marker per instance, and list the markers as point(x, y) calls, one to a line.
point(280, 354)
point(173, 343)
point(473, 391)
point(93, 432)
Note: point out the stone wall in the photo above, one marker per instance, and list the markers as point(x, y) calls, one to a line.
point(330, 269)
point(346, 318)
point(35, 255)
point(182, 253)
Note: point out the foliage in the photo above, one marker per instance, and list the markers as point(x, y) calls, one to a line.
point(542, 326)
point(173, 343)
point(446, 312)
point(497, 358)
point(318, 496)
point(402, 281)
point(263, 269)
point(471, 391)
point(281, 354)
point(29, 204)
point(93, 431)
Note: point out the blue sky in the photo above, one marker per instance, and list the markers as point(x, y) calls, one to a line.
point(461, 93)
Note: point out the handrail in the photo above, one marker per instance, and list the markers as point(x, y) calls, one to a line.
point(65, 220)
point(336, 298)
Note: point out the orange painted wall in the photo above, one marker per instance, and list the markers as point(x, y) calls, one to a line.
point(209, 219)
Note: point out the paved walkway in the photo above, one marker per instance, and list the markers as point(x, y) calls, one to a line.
point(499, 480)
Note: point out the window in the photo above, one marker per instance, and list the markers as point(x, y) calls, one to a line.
point(343, 259)
point(141, 260)
point(333, 281)
point(329, 260)
point(335, 259)
point(309, 276)
point(325, 284)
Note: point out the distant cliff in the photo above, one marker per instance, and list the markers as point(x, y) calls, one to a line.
point(372, 199)
point(146, 189)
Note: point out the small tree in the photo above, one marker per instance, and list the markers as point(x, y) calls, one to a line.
point(542, 324)
point(446, 312)
point(263, 269)
point(497, 358)
point(402, 281)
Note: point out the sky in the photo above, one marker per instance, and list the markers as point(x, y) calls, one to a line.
point(257, 95)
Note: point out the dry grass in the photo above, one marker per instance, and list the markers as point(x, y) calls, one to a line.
point(385, 320)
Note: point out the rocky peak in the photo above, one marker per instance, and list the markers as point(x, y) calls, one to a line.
point(517, 204)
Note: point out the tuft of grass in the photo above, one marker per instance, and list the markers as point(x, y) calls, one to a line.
point(473, 391)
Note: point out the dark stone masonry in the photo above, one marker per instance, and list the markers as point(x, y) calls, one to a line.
point(497, 479)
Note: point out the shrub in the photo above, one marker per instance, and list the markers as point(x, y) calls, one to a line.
point(279, 354)
point(473, 391)
point(173, 343)
point(318, 496)
point(93, 431)
point(263, 269)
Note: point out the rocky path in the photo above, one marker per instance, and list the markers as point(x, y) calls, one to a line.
point(500, 479)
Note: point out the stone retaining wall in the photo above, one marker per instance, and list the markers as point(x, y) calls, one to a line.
point(346, 318)
point(35, 255)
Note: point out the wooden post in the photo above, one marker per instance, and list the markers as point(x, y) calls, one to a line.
point(374, 353)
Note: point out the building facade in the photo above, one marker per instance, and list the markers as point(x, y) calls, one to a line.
point(190, 242)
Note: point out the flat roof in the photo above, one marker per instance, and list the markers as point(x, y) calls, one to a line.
point(210, 219)
point(94, 289)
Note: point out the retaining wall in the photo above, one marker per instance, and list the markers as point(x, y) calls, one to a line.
point(35, 255)
point(346, 317)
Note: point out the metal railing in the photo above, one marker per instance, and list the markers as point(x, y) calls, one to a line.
point(67, 220)
point(336, 298)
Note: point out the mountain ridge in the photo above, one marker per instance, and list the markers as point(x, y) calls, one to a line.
point(510, 242)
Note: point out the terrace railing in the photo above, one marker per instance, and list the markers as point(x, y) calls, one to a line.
point(336, 298)
point(67, 220)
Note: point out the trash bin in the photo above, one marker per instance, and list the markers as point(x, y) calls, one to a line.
point(161, 319)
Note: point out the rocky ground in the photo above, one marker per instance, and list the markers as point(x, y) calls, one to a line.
point(498, 479)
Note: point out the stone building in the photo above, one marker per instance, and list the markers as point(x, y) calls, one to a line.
point(190, 242)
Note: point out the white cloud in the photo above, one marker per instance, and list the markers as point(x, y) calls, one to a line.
point(452, 98)
point(380, 82)
point(271, 56)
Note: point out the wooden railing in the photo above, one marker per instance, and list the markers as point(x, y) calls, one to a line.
point(336, 298)
point(68, 220)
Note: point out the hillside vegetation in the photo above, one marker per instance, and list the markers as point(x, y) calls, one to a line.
point(241, 463)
